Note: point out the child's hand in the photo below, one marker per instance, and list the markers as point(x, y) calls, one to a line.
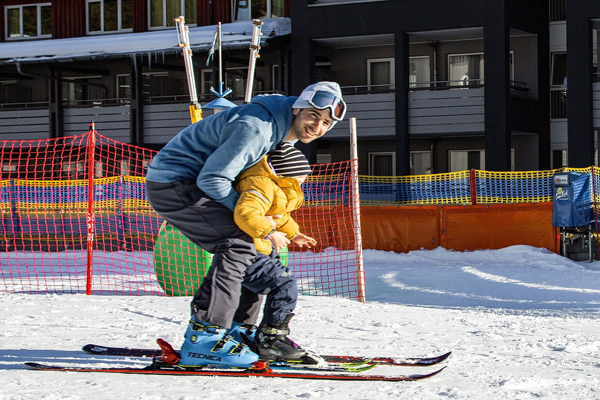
point(302, 240)
point(279, 240)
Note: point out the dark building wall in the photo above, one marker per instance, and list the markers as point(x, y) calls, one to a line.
point(580, 14)
point(401, 19)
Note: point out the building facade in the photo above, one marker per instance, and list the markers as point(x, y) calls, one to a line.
point(436, 86)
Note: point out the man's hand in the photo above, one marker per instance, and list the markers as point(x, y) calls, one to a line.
point(302, 240)
point(272, 219)
point(279, 240)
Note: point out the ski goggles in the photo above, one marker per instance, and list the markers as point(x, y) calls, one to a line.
point(321, 100)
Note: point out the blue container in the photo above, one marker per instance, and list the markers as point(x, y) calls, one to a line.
point(572, 200)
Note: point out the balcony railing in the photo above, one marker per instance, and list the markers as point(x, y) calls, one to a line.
point(430, 86)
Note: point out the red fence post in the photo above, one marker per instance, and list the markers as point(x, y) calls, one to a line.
point(473, 186)
point(90, 210)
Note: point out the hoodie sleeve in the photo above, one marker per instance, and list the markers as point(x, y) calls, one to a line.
point(243, 146)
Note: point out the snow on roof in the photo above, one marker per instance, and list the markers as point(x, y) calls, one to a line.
point(234, 35)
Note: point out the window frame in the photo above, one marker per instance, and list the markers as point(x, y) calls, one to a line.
point(467, 151)
point(39, 21)
point(511, 56)
point(102, 8)
point(428, 170)
point(70, 94)
point(392, 78)
point(373, 154)
point(165, 24)
point(420, 84)
point(552, 69)
point(268, 11)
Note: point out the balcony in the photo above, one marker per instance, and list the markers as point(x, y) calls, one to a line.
point(435, 108)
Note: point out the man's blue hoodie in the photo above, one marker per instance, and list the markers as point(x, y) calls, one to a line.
point(215, 150)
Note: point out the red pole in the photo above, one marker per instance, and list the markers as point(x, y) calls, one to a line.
point(473, 186)
point(90, 211)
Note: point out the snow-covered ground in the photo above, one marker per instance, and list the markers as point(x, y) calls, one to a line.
point(522, 323)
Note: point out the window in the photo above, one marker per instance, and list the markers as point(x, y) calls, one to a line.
point(236, 78)
point(29, 21)
point(83, 90)
point(380, 73)
point(420, 162)
point(465, 69)
point(558, 89)
point(419, 72)
point(461, 160)
point(159, 84)
point(125, 167)
point(8, 169)
point(559, 158)
point(559, 69)
point(557, 10)
point(10, 92)
point(207, 82)
point(73, 169)
point(323, 158)
point(123, 88)
point(155, 85)
point(109, 15)
point(382, 164)
point(275, 79)
point(595, 64)
point(164, 12)
point(257, 9)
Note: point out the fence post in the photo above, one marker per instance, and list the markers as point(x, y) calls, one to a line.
point(355, 191)
point(90, 211)
point(473, 186)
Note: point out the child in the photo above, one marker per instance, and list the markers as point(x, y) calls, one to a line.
point(271, 188)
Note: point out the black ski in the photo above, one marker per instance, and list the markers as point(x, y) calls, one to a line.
point(340, 359)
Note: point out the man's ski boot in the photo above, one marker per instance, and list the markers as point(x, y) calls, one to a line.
point(272, 343)
point(207, 344)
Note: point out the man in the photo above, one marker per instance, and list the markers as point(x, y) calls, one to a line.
point(190, 184)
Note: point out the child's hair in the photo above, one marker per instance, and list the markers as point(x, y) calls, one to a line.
point(288, 161)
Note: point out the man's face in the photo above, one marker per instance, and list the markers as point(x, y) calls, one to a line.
point(309, 124)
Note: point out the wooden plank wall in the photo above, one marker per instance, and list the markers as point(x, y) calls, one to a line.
point(429, 112)
point(374, 113)
point(110, 121)
point(24, 124)
point(446, 111)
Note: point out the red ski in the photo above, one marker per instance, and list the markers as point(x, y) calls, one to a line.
point(262, 370)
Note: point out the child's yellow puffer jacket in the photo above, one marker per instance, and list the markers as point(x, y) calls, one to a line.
point(264, 193)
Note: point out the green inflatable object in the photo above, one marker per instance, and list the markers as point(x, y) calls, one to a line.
point(180, 265)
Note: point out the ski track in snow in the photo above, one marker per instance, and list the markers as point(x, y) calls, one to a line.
point(522, 323)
